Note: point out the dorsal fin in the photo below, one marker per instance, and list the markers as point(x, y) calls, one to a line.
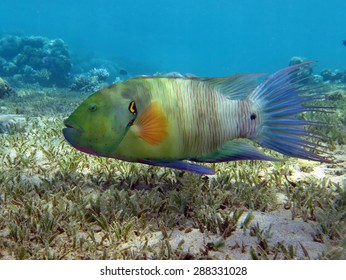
point(234, 87)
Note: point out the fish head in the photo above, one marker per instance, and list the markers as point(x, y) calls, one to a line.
point(100, 123)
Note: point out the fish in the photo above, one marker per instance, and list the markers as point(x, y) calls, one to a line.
point(344, 42)
point(181, 122)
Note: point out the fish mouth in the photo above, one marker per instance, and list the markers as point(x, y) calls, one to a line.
point(71, 132)
point(70, 125)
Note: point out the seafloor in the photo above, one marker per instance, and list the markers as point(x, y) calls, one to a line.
point(58, 203)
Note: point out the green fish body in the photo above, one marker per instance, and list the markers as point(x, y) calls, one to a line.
point(165, 120)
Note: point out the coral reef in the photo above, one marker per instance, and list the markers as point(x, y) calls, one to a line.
point(326, 75)
point(82, 65)
point(35, 59)
point(5, 89)
point(39, 61)
point(333, 76)
point(90, 82)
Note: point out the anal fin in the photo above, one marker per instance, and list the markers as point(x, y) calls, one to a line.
point(181, 165)
point(235, 150)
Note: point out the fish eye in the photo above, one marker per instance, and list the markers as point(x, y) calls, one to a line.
point(92, 108)
point(132, 108)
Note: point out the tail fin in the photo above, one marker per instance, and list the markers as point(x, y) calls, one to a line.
point(280, 98)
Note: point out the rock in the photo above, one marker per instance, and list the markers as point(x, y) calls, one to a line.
point(11, 122)
point(296, 60)
point(306, 71)
point(5, 89)
point(123, 72)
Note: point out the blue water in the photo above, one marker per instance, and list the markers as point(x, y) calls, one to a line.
point(204, 37)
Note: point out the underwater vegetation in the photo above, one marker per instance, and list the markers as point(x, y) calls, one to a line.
point(58, 203)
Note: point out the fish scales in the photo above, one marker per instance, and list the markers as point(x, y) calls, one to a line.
point(204, 117)
point(162, 121)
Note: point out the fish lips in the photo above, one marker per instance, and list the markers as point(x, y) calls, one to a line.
point(71, 133)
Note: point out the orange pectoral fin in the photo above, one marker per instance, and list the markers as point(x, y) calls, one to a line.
point(152, 124)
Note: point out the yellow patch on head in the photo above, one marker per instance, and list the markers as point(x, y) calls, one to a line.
point(132, 108)
point(152, 124)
